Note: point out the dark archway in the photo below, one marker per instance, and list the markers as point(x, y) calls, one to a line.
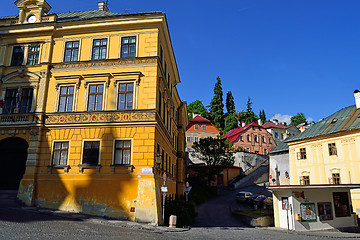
point(13, 156)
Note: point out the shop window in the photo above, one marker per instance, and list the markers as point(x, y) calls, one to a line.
point(95, 97)
point(91, 153)
point(60, 153)
point(122, 152)
point(301, 154)
point(66, 98)
point(125, 96)
point(341, 204)
point(332, 149)
point(325, 211)
point(128, 47)
point(99, 49)
point(71, 51)
point(33, 55)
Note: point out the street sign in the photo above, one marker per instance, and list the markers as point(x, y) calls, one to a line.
point(187, 189)
point(164, 188)
point(270, 176)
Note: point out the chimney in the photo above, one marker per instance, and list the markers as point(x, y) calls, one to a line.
point(242, 124)
point(276, 121)
point(260, 122)
point(357, 98)
point(103, 6)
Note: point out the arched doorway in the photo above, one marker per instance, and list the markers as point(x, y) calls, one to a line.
point(13, 155)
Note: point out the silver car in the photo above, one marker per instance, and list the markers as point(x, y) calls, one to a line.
point(242, 196)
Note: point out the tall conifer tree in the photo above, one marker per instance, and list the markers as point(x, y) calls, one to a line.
point(250, 115)
point(217, 105)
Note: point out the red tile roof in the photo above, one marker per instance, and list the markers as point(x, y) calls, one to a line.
point(233, 134)
point(273, 125)
point(200, 119)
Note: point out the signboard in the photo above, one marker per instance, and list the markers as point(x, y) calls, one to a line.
point(308, 212)
point(187, 189)
point(164, 188)
point(146, 170)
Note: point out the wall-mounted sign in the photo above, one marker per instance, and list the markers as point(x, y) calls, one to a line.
point(146, 170)
point(308, 212)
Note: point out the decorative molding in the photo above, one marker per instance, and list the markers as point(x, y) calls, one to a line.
point(21, 72)
point(100, 117)
point(71, 66)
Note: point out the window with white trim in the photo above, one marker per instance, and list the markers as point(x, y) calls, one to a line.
point(125, 96)
point(99, 49)
point(91, 153)
point(128, 47)
point(18, 103)
point(95, 97)
point(60, 153)
point(66, 99)
point(122, 153)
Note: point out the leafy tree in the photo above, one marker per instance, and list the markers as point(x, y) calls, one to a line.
point(217, 105)
point(230, 104)
point(231, 122)
point(196, 107)
point(298, 119)
point(250, 116)
point(212, 151)
point(241, 116)
point(262, 116)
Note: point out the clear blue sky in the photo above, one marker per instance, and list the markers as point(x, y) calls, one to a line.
point(289, 56)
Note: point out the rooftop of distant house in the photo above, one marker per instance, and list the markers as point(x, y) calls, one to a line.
point(232, 134)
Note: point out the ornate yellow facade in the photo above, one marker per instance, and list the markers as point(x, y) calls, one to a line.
point(94, 96)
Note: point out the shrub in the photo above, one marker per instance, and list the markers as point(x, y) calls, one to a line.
point(185, 212)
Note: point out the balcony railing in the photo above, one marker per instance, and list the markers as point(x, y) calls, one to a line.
point(6, 119)
point(122, 116)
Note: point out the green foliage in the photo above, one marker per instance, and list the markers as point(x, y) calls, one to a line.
point(262, 116)
point(231, 122)
point(250, 116)
point(217, 105)
point(212, 151)
point(185, 212)
point(200, 192)
point(230, 104)
point(298, 119)
point(196, 107)
point(241, 116)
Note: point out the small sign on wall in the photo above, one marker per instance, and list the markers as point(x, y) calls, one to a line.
point(308, 212)
point(146, 170)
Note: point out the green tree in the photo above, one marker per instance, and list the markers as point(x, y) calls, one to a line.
point(230, 104)
point(298, 119)
point(217, 105)
point(196, 107)
point(241, 116)
point(262, 116)
point(231, 122)
point(212, 151)
point(250, 116)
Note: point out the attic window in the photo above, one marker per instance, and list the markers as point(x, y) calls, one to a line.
point(334, 120)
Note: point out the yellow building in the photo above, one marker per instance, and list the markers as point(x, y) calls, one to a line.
point(324, 173)
point(89, 101)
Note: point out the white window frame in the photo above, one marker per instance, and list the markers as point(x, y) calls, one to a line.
point(203, 127)
point(19, 88)
point(131, 151)
point(52, 152)
point(26, 52)
point(135, 82)
point(83, 145)
point(105, 93)
point(64, 46)
point(196, 126)
point(136, 45)
point(75, 98)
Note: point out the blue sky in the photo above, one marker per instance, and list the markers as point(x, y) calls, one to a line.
point(288, 56)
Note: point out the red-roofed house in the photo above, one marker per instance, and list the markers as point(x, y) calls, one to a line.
point(200, 127)
point(252, 137)
point(279, 131)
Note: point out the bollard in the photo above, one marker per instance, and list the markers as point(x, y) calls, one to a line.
point(172, 221)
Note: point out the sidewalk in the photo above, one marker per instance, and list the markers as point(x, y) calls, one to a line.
point(98, 219)
point(330, 233)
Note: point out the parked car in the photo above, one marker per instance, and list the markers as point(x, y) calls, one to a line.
point(259, 201)
point(242, 196)
point(250, 200)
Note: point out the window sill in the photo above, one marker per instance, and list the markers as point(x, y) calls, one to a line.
point(129, 168)
point(65, 167)
point(89, 166)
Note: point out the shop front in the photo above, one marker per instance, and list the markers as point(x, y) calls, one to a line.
point(313, 207)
